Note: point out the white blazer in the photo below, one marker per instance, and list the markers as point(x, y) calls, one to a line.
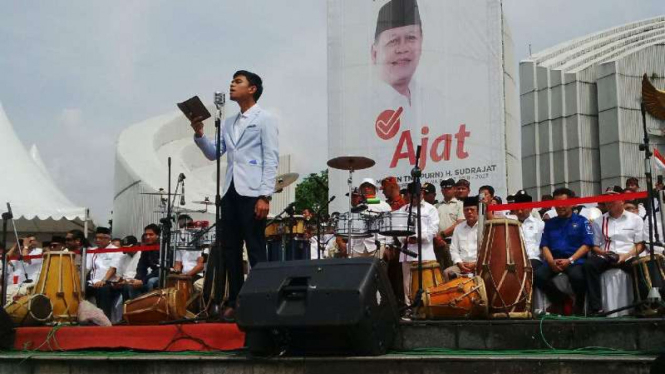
point(252, 161)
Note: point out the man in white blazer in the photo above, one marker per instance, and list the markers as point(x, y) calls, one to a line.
point(250, 142)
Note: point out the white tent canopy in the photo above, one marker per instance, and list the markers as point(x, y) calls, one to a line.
point(37, 203)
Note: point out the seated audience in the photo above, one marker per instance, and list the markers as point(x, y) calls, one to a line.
point(617, 241)
point(464, 244)
point(565, 242)
point(102, 269)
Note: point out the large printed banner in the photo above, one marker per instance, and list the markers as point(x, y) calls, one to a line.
point(404, 73)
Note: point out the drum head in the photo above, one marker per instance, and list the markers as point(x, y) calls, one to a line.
point(40, 308)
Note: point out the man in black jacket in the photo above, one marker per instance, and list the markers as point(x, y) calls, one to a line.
point(147, 270)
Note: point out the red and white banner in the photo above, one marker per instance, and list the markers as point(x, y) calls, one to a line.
point(659, 159)
point(408, 73)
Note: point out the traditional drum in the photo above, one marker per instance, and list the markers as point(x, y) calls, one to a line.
point(357, 226)
point(181, 282)
point(646, 275)
point(462, 297)
point(59, 281)
point(167, 304)
point(504, 267)
point(30, 310)
point(273, 229)
point(432, 277)
point(395, 224)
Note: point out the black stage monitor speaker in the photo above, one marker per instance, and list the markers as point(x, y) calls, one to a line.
point(6, 331)
point(318, 307)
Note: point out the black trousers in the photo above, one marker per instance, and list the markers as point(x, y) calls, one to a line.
point(594, 267)
point(543, 280)
point(239, 226)
point(104, 297)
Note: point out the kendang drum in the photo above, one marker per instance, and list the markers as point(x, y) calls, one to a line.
point(30, 310)
point(180, 282)
point(168, 304)
point(504, 267)
point(462, 297)
point(59, 281)
point(395, 224)
point(432, 277)
point(646, 275)
point(356, 226)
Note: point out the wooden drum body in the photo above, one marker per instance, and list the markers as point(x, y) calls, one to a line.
point(181, 282)
point(460, 298)
point(59, 281)
point(432, 277)
point(167, 304)
point(504, 267)
point(30, 310)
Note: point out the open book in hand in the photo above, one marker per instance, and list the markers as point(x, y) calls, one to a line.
point(193, 108)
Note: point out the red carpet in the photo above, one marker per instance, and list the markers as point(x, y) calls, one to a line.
point(167, 338)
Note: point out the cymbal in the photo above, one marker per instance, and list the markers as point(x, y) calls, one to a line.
point(351, 163)
point(204, 202)
point(284, 180)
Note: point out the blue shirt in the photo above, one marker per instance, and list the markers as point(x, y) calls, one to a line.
point(564, 236)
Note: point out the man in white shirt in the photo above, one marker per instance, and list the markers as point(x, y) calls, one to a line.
point(23, 274)
point(189, 263)
point(429, 223)
point(464, 245)
point(129, 260)
point(450, 215)
point(618, 239)
point(531, 229)
point(103, 268)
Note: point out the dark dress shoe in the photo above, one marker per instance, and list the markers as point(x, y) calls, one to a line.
point(229, 315)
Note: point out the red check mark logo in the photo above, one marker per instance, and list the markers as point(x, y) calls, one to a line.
point(387, 123)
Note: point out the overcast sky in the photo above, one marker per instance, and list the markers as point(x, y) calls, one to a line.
point(74, 74)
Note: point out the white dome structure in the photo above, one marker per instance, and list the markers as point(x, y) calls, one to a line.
point(141, 166)
point(37, 203)
point(580, 104)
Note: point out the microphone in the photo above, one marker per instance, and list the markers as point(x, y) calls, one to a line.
point(220, 99)
point(8, 215)
point(331, 199)
point(182, 197)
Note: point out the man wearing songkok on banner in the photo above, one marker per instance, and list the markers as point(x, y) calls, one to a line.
point(618, 239)
point(464, 244)
point(397, 48)
point(429, 223)
point(531, 228)
point(103, 268)
point(566, 240)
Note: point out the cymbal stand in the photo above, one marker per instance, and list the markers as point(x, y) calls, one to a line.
point(349, 243)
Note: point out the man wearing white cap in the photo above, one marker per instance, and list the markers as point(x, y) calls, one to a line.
point(368, 247)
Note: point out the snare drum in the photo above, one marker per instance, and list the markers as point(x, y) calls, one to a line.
point(395, 224)
point(358, 226)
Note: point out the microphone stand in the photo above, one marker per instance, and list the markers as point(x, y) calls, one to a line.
point(656, 277)
point(165, 248)
point(416, 172)
point(215, 276)
point(5, 217)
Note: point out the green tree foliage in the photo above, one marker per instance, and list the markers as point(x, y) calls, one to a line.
point(312, 192)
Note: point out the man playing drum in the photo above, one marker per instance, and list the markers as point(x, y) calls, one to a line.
point(429, 223)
